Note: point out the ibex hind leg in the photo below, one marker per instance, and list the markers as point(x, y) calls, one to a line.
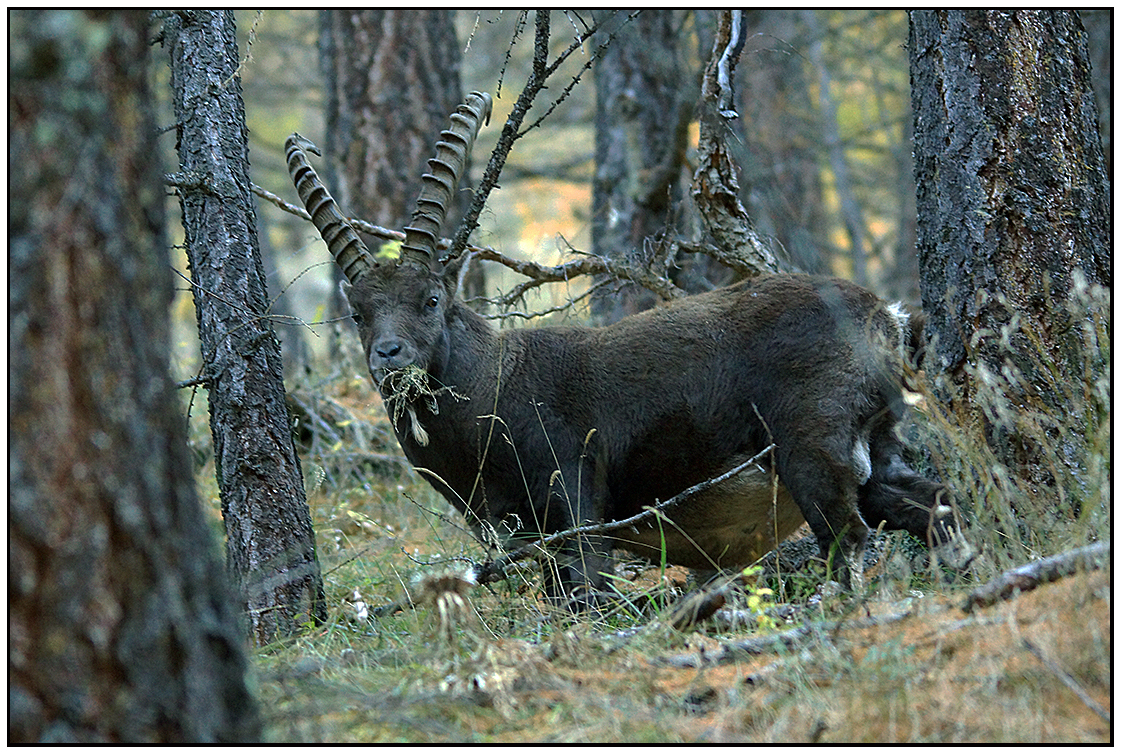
point(825, 490)
point(903, 499)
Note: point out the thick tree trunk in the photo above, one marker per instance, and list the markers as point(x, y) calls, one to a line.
point(393, 80)
point(1013, 205)
point(269, 540)
point(644, 104)
point(121, 625)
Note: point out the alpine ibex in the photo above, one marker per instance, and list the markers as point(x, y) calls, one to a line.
point(533, 431)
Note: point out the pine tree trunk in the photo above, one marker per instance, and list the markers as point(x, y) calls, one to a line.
point(1013, 203)
point(121, 624)
point(270, 545)
point(644, 103)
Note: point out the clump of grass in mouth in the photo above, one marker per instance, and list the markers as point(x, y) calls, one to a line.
point(402, 388)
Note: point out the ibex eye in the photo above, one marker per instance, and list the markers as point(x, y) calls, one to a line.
point(432, 302)
point(357, 319)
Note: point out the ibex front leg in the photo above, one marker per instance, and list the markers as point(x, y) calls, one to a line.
point(825, 490)
point(578, 575)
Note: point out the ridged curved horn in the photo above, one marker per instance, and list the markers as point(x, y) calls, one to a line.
point(440, 184)
point(346, 247)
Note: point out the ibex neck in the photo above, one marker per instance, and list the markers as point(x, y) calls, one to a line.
point(473, 352)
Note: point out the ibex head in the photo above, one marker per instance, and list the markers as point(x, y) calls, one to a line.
point(400, 306)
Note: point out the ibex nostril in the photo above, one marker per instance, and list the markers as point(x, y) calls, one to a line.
point(388, 350)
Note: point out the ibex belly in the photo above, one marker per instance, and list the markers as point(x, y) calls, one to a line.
point(730, 525)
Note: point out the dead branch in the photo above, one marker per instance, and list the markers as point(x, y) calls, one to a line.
point(576, 44)
point(508, 299)
point(715, 186)
point(495, 570)
point(1069, 682)
point(1028, 577)
point(584, 264)
point(538, 274)
point(784, 641)
point(499, 569)
point(511, 130)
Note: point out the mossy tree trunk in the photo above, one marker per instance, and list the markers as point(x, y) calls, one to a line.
point(270, 544)
point(121, 625)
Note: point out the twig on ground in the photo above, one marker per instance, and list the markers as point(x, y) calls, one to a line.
point(810, 633)
point(1068, 681)
point(1028, 577)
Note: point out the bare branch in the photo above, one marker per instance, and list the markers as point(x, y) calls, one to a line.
point(511, 131)
point(802, 636)
point(509, 134)
point(366, 227)
point(715, 186)
point(576, 44)
point(1037, 573)
point(515, 295)
point(495, 570)
point(1068, 681)
point(538, 274)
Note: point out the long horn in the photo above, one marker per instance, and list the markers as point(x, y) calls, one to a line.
point(346, 247)
point(440, 184)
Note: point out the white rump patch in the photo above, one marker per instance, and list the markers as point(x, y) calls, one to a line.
point(901, 315)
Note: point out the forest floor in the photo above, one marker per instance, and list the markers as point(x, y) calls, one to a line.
point(1036, 668)
point(903, 662)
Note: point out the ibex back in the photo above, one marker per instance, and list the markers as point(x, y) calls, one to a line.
point(533, 431)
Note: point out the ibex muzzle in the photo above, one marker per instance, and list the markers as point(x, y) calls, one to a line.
point(533, 431)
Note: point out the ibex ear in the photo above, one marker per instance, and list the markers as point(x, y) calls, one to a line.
point(455, 272)
point(344, 289)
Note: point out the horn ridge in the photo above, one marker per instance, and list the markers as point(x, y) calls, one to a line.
point(439, 186)
point(349, 251)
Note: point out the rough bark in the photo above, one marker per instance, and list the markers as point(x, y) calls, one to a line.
point(644, 104)
point(1013, 204)
point(715, 188)
point(121, 624)
point(270, 545)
